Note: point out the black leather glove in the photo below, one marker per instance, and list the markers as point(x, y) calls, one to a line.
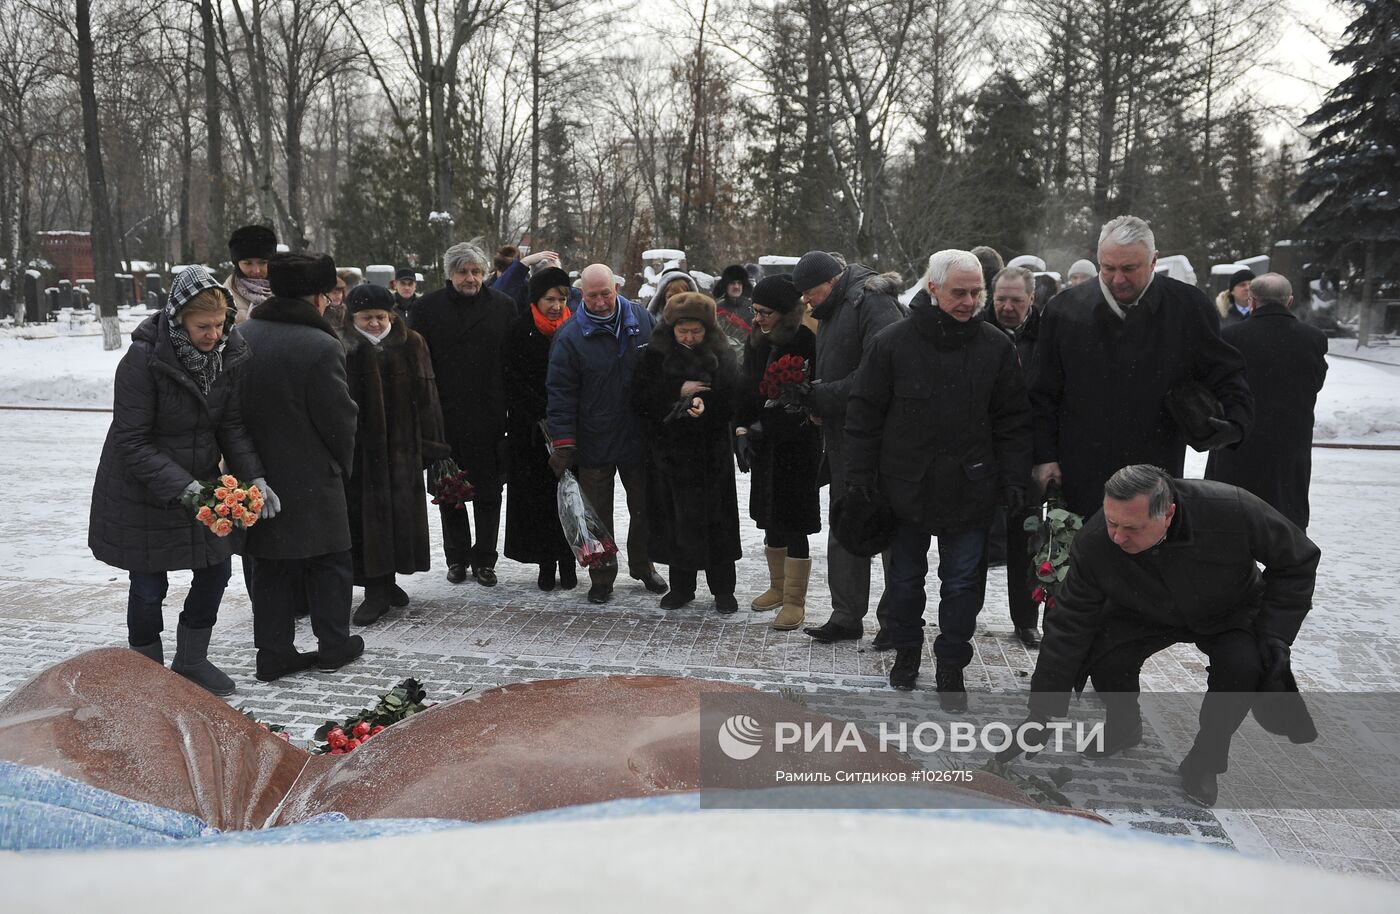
point(797, 396)
point(743, 452)
point(562, 459)
point(1223, 434)
point(756, 434)
point(1015, 501)
point(1274, 654)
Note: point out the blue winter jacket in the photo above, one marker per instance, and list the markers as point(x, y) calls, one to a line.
point(589, 385)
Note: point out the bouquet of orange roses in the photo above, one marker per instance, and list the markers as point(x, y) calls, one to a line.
point(226, 503)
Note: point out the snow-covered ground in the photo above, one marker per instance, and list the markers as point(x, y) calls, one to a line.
point(1360, 402)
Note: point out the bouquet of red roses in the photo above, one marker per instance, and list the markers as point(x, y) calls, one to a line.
point(225, 504)
point(450, 484)
point(784, 383)
point(1051, 537)
point(583, 528)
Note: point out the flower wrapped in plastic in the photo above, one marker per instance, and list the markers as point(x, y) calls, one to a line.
point(450, 484)
point(584, 530)
point(1050, 539)
point(785, 383)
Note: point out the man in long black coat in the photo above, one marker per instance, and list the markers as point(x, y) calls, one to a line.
point(1286, 362)
point(466, 325)
point(301, 418)
point(1168, 561)
point(1108, 354)
point(939, 420)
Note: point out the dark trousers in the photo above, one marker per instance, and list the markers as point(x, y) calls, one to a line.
point(795, 543)
point(323, 584)
point(1231, 679)
point(962, 575)
point(721, 579)
point(457, 545)
point(1025, 612)
point(596, 484)
point(144, 621)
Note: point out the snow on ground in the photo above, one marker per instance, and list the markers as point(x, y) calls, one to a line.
point(1359, 403)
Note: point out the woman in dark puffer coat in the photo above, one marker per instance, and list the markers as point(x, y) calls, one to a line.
point(175, 413)
point(784, 450)
point(692, 509)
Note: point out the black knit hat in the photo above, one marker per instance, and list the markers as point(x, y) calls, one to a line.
point(252, 242)
point(815, 268)
point(546, 279)
point(369, 297)
point(777, 293)
point(1239, 276)
point(301, 275)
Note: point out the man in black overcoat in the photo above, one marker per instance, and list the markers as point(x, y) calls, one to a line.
point(466, 325)
point(299, 413)
point(1286, 363)
point(1109, 353)
point(1168, 561)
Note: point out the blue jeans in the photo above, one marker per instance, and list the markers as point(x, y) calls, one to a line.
point(144, 621)
point(962, 573)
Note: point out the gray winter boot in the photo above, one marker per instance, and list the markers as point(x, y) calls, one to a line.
point(152, 650)
point(192, 661)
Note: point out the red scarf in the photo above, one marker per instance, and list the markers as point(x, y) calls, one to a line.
point(544, 324)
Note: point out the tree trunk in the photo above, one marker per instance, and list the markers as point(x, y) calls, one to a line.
point(104, 249)
point(535, 122)
point(1368, 284)
point(213, 106)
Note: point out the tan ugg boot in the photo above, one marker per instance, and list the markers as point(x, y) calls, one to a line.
point(772, 598)
point(795, 575)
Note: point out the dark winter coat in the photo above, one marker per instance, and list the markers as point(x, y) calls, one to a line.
point(939, 419)
point(1023, 338)
point(861, 304)
point(783, 481)
point(398, 430)
point(692, 507)
point(533, 533)
point(1099, 383)
point(302, 420)
point(1286, 365)
point(404, 307)
point(1202, 579)
point(590, 387)
point(467, 338)
point(166, 434)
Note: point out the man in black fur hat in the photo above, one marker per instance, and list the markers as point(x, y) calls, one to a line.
point(733, 295)
point(301, 417)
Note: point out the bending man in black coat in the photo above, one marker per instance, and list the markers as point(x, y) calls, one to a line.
point(939, 420)
point(1169, 561)
point(1287, 364)
point(301, 418)
point(1108, 354)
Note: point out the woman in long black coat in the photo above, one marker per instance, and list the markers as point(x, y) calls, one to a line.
point(692, 508)
point(783, 449)
point(398, 431)
point(175, 412)
point(533, 534)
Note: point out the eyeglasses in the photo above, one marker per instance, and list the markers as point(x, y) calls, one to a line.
point(763, 312)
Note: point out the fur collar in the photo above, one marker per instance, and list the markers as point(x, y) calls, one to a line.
point(292, 311)
point(782, 332)
point(355, 340)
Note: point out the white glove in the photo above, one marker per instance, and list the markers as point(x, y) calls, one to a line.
point(271, 503)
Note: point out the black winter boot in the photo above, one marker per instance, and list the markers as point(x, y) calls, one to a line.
point(568, 578)
point(952, 694)
point(375, 605)
point(192, 661)
point(154, 650)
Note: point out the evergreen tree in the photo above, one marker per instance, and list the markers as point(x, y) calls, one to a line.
point(1353, 173)
point(1003, 161)
point(559, 207)
point(382, 211)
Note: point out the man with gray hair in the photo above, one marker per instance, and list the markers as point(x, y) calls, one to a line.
point(938, 422)
point(1286, 361)
point(1169, 561)
point(465, 325)
point(1111, 356)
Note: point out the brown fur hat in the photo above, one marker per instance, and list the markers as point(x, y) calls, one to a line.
point(690, 306)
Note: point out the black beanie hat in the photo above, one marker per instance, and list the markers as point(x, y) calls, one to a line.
point(301, 275)
point(546, 279)
point(369, 297)
point(777, 293)
point(1240, 276)
point(815, 268)
point(252, 242)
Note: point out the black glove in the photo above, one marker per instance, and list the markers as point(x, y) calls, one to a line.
point(756, 434)
point(743, 452)
point(1015, 501)
point(797, 396)
point(1014, 751)
point(562, 458)
point(1274, 654)
point(1223, 433)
